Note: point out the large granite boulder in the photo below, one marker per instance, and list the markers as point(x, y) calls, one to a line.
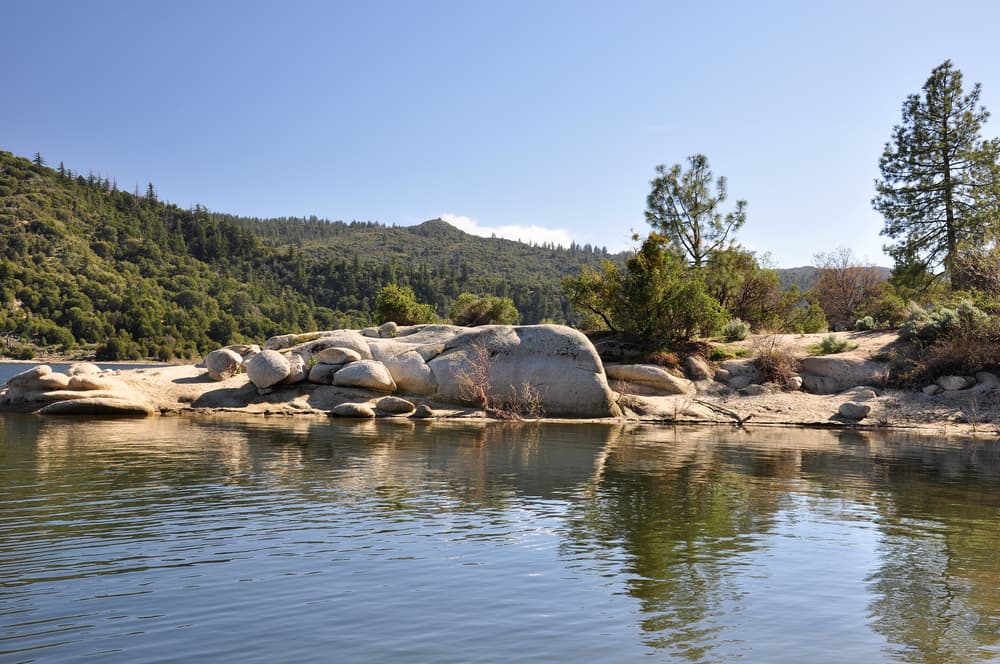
point(559, 363)
point(656, 378)
point(827, 374)
point(267, 368)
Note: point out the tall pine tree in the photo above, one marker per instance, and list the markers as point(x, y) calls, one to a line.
point(938, 191)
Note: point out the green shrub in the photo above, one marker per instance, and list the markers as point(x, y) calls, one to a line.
point(399, 304)
point(864, 324)
point(474, 310)
point(736, 330)
point(831, 344)
point(722, 353)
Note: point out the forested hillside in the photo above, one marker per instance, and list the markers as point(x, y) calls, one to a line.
point(86, 265)
point(349, 262)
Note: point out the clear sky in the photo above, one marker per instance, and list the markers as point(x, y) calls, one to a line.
point(547, 118)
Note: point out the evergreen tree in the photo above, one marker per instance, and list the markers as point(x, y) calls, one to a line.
point(939, 188)
point(683, 209)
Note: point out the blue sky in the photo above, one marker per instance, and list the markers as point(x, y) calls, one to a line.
point(546, 119)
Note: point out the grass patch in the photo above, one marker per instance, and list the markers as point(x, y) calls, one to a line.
point(723, 353)
point(832, 344)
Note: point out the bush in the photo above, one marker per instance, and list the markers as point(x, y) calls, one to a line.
point(864, 324)
point(399, 304)
point(736, 330)
point(807, 320)
point(774, 361)
point(831, 344)
point(474, 310)
point(927, 327)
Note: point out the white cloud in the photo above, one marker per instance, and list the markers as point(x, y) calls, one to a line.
point(531, 233)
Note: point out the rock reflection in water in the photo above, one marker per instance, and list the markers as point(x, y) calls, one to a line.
point(760, 544)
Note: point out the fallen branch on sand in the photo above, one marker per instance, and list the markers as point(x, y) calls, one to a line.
point(740, 421)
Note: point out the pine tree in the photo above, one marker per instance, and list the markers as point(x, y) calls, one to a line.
point(682, 208)
point(939, 189)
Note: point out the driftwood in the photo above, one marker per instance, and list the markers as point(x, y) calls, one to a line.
point(740, 421)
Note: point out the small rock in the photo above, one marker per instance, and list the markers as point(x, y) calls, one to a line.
point(395, 405)
point(82, 368)
point(370, 332)
point(223, 363)
point(860, 393)
point(696, 368)
point(368, 374)
point(723, 375)
point(337, 355)
point(949, 383)
point(267, 368)
point(740, 382)
point(355, 410)
point(794, 383)
point(423, 412)
point(854, 411)
point(322, 374)
point(388, 330)
point(754, 390)
point(932, 389)
point(987, 378)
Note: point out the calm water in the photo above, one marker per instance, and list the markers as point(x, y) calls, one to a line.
point(265, 540)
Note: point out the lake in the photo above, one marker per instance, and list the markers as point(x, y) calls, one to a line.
point(284, 539)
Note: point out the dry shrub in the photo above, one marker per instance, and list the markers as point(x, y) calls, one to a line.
point(522, 401)
point(773, 359)
point(664, 359)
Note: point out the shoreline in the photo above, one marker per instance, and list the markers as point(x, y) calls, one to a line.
point(186, 391)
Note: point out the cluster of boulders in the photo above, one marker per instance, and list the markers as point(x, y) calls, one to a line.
point(443, 363)
point(85, 389)
point(983, 385)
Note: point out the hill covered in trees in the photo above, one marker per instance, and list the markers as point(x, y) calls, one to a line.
point(85, 264)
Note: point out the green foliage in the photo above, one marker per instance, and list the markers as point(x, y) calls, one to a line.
point(435, 259)
point(98, 264)
point(683, 208)
point(735, 330)
point(939, 190)
point(473, 310)
point(657, 299)
point(84, 264)
point(722, 353)
point(865, 324)
point(929, 326)
point(806, 319)
point(831, 344)
point(399, 304)
point(747, 291)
